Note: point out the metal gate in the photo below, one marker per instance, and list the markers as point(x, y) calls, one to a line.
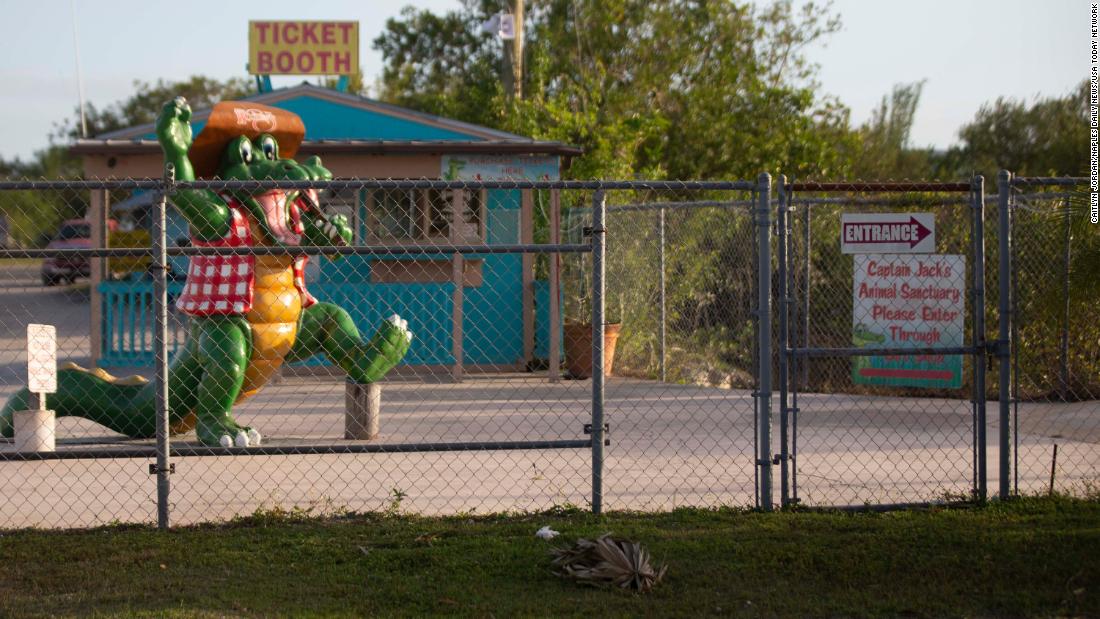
point(881, 369)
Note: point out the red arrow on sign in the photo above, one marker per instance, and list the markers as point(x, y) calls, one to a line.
point(892, 232)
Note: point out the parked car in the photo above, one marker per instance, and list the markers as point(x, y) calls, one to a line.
point(73, 234)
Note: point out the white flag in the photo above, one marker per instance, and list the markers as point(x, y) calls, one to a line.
point(492, 25)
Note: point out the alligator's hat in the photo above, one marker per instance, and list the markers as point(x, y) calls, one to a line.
point(230, 119)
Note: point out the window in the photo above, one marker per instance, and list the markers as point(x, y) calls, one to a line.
point(426, 215)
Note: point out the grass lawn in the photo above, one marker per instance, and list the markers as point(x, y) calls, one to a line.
point(1025, 558)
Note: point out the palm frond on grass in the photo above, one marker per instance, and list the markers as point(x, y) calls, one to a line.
point(608, 561)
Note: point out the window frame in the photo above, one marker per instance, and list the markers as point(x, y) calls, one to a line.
point(422, 218)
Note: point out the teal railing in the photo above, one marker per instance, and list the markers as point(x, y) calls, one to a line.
point(492, 329)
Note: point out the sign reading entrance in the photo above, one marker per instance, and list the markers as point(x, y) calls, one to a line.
point(303, 47)
point(907, 301)
point(875, 233)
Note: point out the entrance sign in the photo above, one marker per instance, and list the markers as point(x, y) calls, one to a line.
point(303, 47)
point(866, 233)
point(907, 301)
point(41, 358)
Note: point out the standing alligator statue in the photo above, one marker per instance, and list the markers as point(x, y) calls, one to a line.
point(248, 314)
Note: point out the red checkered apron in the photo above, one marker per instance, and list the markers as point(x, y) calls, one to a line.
point(221, 285)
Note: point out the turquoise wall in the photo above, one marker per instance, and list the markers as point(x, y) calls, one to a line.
point(492, 322)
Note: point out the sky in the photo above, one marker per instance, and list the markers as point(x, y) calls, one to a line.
point(968, 52)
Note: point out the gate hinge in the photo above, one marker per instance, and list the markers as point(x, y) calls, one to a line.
point(155, 470)
point(588, 231)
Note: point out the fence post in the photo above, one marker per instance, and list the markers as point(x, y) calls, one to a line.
point(764, 335)
point(784, 343)
point(160, 346)
point(978, 197)
point(1004, 325)
point(805, 335)
point(661, 267)
point(599, 249)
point(1063, 368)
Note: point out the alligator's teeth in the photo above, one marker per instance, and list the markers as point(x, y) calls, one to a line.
point(395, 319)
point(254, 437)
point(225, 441)
point(404, 324)
point(242, 439)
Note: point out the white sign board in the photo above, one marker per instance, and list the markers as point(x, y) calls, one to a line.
point(878, 233)
point(499, 168)
point(905, 301)
point(41, 358)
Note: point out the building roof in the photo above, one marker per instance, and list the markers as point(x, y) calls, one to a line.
point(140, 146)
point(342, 122)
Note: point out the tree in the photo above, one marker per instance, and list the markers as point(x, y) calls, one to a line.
point(884, 150)
point(442, 64)
point(144, 105)
point(646, 88)
point(1044, 138)
point(32, 216)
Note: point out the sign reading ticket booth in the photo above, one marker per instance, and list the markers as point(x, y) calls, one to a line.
point(908, 301)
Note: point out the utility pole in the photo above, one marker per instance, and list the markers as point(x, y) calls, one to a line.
point(513, 55)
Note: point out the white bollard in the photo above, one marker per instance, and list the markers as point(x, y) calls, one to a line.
point(362, 406)
point(34, 430)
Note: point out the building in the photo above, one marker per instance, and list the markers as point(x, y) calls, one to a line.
point(477, 312)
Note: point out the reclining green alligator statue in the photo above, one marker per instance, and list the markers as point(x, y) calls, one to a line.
point(248, 314)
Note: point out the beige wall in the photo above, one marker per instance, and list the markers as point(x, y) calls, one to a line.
point(125, 166)
point(341, 165)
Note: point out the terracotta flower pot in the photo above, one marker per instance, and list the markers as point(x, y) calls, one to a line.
point(578, 348)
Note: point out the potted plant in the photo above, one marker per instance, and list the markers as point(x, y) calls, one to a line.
point(577, 330)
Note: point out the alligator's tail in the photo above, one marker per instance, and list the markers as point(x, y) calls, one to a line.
point(125, 405)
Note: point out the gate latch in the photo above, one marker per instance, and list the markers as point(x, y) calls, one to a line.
point(606, 432)
point(154, 470)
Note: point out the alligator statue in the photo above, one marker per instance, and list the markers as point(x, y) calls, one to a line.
point(248, 314)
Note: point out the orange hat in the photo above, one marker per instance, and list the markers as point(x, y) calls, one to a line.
point(230, 119)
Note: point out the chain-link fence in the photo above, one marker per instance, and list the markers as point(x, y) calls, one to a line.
point(275, 387)
point(1054, 258)
point(265, 380)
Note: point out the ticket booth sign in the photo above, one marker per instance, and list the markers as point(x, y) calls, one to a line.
point(303, 47)
point(908, 301)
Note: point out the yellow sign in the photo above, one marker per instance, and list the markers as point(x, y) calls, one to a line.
point(303, 47)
